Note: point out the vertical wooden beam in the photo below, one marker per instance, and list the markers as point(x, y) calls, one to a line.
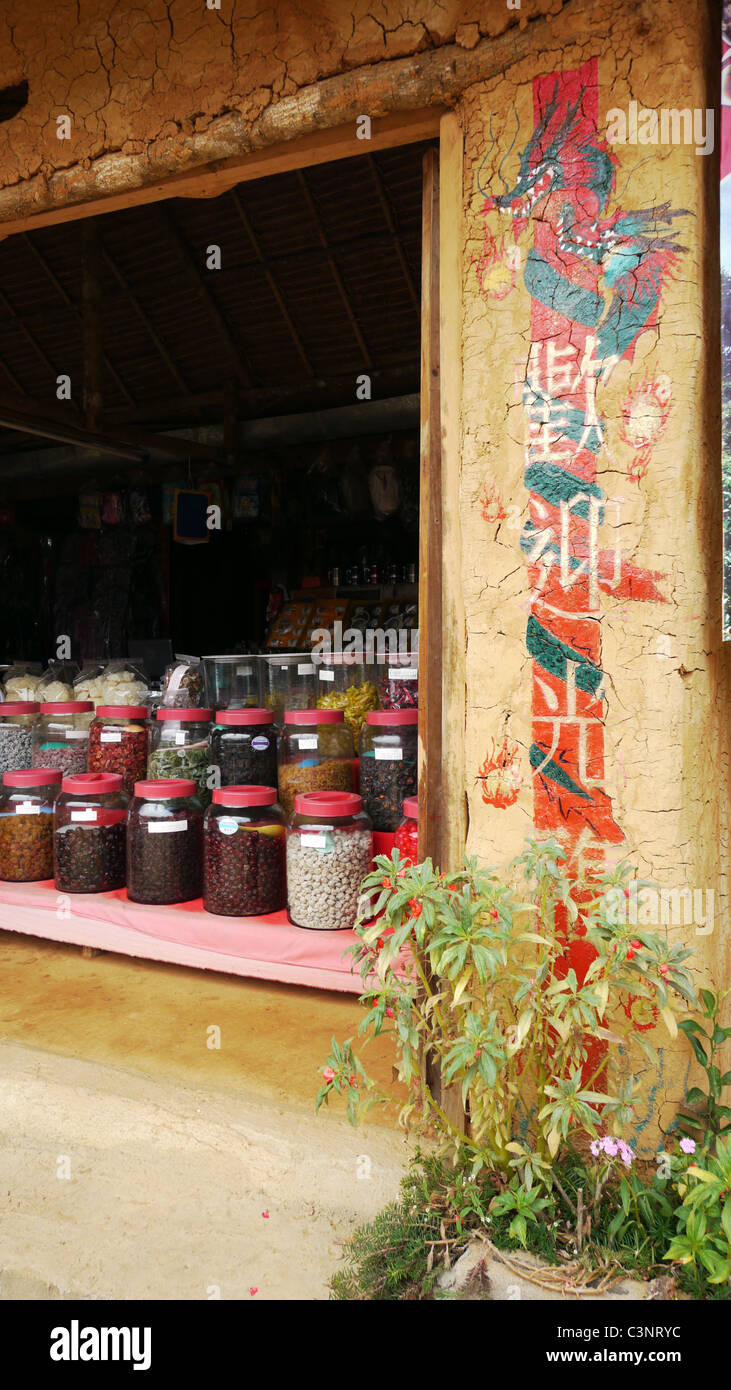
point(430, 526)
point(92, 326)
point(454, 626)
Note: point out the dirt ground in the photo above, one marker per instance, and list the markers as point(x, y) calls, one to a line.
point(136, 1161)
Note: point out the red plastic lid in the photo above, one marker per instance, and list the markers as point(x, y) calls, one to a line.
point(328, 803)
point(244, 796)
point(392, 716)
point(162, 787)
point(19, 707)
point(411, 808)
point(313, 716)
point(121, 712)
point(203, 716)
point(92, 783)
point(32, 777)
point(244, 716)
point(67, 707)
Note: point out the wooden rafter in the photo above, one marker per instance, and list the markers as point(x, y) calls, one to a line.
point(393, 229)
point(50, 273)
point(337, 277)
point(272, 282)
point(145, 319)
point(185, 254)
point(7, 307)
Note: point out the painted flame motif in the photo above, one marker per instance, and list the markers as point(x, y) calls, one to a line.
point(498, 266)
point(492, 504)
point(501, 775)
point(645, 411)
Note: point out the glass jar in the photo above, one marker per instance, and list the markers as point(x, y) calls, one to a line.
point(329, 853)
point(232, 682)
point(61, 736)
point(17, 720)
point(165, 842)
point(288, 682)
point(118, 742)
point(388, 766)
point(407, 835)
point(244, 852)
point(90, 833)
point(26, 824)
point(244, 747)
point(346, 682)
point(398, 684)
point(179, 747)
point(315, 754)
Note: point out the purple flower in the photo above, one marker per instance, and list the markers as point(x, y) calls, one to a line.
point(626, 1153)
point(595, 1147)
point(688, 1146)
point(611, 1147)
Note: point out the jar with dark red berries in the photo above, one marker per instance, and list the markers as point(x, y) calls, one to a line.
point(244, 843)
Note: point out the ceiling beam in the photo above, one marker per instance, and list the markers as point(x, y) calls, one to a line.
point(272, 283)
point(145, 319)
point(123, 441)
point(337, 277)
point(390, 223)
point(185, 254)
point(73, 306)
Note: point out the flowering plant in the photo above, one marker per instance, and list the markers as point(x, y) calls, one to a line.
point(481, 982)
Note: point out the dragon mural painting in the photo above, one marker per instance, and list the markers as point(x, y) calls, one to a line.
point(595, 273)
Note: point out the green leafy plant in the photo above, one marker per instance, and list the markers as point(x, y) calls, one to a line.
point(526, 1203)
point(703, 1239)
point(477, 980)
point(707, 1112)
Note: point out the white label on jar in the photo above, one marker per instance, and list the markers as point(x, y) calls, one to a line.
point(180, 737)
point(305, 670)
point(243, 671)
point(409, 673)
point(307, 741)
point(388, 754)
point(260, 743)
point(88, 814)
point(166, 827)
point(327, 675)
point(76, 733)
point(28, 808)
point(313, 839)
point(111, 736)
point(227, 825)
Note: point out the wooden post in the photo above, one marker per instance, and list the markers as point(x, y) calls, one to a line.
point(92, 325)
point(430, 528)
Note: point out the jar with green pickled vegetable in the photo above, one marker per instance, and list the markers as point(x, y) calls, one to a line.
point(346, 682)
point(180, 747)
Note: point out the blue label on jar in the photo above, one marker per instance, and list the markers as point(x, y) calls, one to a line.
point(260, 743)
point(227, 825)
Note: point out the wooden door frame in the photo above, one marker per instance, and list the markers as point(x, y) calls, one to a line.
point(442, 628)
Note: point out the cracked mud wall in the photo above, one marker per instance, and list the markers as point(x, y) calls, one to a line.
point(664, 794)
point(143, 80)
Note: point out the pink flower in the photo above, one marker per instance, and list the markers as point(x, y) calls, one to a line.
point(595, 1147)
point(328, 1074)
point(265, 1214)
point(252, 1291)
point(688, 1146)
point(626, 1153)
point(610, 1147)
point(389, 1013)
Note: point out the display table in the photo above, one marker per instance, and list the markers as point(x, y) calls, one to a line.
point(260, 948)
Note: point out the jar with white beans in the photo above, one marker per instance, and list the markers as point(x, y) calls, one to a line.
point(329, 853)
